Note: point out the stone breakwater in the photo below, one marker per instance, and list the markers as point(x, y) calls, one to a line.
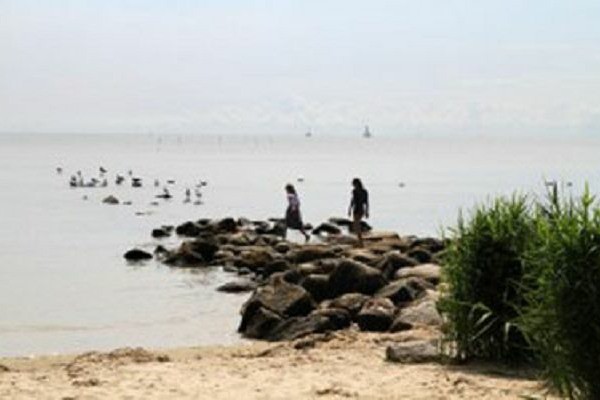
point(389, 285)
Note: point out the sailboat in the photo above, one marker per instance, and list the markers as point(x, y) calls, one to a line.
point(367, 132)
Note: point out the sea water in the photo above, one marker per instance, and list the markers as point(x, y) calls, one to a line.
point(65, 287)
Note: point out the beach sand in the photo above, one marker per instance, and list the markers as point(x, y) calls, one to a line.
point(341, 365)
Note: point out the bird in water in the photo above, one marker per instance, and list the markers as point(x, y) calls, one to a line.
point(102, 170)
point(59, 170)
point(165, 194)
point(156, 183)
point(188, 194)
point(119, 179)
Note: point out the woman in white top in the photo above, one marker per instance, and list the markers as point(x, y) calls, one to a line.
point(293, 218)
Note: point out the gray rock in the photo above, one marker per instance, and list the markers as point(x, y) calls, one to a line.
point(418, 351)
point(429, 272)
point(351, 302)
point(189, 229)
point(327, 228)
point(254, 258)
point(420, 254)
point(309, 253)
point(137, 255)
point(404, 290)
point(393, 261)
point(352, 276)
point(319, 321)
point(261, 323)
point(376, 315)
point(282, 247)
point(424, 313)
point(281, 297)
point(238, 286)
point(317, 285)
point(160, 233)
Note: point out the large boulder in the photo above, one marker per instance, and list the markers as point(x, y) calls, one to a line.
point(205, 247)
point(189, 229)
point(254, 258)
point(310, 253)
point(242, 239)
point(422, 255)
point(227, 225)
point(317, 285)
point(352, 276)
point(433, 245)
point(279, 297)
point(319, 321)
point(424, 313)
point(376, 315)
point(351, 302)
point(416, 351)
point(260, 324)
point(393, 261)
point(185, 256)
point(137, 255)
point(429, 272)
point(327, 228)
point(404, 290)
point(274, 266)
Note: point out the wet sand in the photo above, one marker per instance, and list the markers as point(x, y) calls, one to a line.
point(346, 364)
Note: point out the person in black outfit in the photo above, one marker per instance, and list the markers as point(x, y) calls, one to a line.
point(293, 218)
point(359, 207)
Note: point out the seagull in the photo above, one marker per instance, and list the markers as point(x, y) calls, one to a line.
point(165, 194)
point(119, 179)
point(188, 193)
point(102, 170)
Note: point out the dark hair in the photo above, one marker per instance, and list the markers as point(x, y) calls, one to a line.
point(290, 188)
point(357, 183)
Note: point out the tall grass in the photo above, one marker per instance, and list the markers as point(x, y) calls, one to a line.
point(483, 268)
point(561, 315)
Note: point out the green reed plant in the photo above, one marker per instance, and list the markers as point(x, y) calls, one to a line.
point(483, 268)
point(561, 314)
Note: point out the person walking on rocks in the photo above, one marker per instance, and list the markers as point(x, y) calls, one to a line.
point(293, 218)
point(359, 207)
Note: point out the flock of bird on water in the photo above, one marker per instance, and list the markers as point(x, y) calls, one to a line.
point(78, 181)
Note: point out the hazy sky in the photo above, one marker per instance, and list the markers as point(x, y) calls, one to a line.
point(281, 67)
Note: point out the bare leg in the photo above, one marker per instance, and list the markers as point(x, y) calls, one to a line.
point(306, 235)
point(358, 229)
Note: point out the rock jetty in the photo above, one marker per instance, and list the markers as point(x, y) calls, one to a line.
point(388, 285)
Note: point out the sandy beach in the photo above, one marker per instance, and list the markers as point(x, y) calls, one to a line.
point(345, 364)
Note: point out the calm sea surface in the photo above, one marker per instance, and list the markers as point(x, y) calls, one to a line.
point(64, 286)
